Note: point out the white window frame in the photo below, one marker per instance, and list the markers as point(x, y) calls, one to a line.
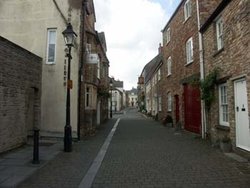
point(98, 70)
point(49, 31)
point(219, 33)
point(189, 50)
point(169, 102)
point(168, 35)
point(159, 74)
point(223, 105)
point(160, 104)
point(187, 9)
point(169, 66)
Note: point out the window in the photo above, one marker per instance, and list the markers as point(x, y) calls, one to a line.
point(88, 97)
point(159, 103)
point(169, 64)
point(51, 46)
point(159, 74)
point(169, 102)
point(98, 70)
point(223, 105)
point(219, 33)
point(189, 50)
point(168, 35)
point(187, 9)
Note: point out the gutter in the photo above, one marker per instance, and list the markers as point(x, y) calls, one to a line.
point(80, 73)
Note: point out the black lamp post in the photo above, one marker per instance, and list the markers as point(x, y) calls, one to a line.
point(111, 85)
point(69, 37)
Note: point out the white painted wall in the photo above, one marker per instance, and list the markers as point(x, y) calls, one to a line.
point(25, 23)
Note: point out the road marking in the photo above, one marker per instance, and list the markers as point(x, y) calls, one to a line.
point(90, 175)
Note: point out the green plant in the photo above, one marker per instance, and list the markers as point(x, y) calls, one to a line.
point(207, 87)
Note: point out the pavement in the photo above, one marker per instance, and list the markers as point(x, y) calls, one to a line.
point(128, 151)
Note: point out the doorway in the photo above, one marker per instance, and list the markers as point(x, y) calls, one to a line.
point(241, 115)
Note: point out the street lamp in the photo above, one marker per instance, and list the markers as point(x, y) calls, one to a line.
point(111, 85)
point(69, 37)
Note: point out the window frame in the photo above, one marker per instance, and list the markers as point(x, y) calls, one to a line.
point(219, 33)
point(49, 30)
point(169, 66)
point(187, 10)
point(159, 103)
point(189, 51)
point(169, 99)
point(223, 105)
point(168, 37)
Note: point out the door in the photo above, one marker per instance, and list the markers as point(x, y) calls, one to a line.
point(241, 115)
point(192, 109)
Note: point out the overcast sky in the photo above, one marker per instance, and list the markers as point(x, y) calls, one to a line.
point(133, 33)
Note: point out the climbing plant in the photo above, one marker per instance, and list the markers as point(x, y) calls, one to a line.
point(207, 87)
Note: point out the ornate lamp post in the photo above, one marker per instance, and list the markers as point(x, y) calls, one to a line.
point(111, 86)
point(69, 37)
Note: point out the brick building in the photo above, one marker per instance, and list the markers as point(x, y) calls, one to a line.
point(20, 94)
point(226, 40)
point(95, 85)
point(183, 64)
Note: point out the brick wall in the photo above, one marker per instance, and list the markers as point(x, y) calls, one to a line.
point(233, 61)
point(20, 90)
point(182, 73)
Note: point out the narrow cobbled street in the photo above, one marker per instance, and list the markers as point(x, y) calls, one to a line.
point(141, 153)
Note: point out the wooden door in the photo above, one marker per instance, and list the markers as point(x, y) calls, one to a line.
point(192, 109)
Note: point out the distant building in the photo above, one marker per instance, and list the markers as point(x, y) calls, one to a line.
point(132, 98)
point(118, 93)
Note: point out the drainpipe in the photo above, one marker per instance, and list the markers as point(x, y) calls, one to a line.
point(81, 76)
point(202, 74)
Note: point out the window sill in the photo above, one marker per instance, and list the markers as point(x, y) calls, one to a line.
point(189, 63)
point(186, 19)
point(218, 52)
point(222, 127)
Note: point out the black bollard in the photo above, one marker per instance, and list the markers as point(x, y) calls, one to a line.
point(36, 147)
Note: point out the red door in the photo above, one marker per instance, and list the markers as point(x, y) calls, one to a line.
point(177, 111)
point(192, 108)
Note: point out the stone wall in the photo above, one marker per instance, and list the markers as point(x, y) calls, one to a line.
point(20, 94)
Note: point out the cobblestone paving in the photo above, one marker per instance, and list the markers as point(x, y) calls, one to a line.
point(68, 169)
point(145, 154)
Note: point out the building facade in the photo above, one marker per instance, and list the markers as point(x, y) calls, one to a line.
point(37, 26)
point(182, 65)
point(226, 52)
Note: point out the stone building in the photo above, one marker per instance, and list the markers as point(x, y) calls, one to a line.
point(20, 94)
point(183, 64)
point(117, 95)
point(226, 40)
point(95, 83)
point(132, 98)
point(150, 77)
